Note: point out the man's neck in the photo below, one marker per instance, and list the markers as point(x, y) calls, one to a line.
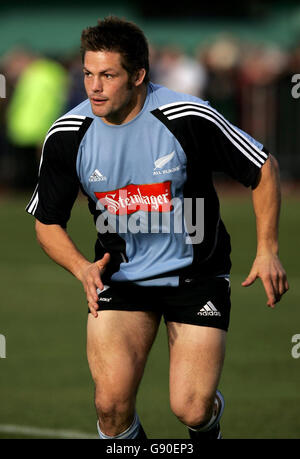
point(132, 109)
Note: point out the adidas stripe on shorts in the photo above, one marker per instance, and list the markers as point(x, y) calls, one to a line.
point(204, 302)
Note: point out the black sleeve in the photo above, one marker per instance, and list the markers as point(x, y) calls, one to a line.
point(58, 183)
point(234, 152)
point(212, 142)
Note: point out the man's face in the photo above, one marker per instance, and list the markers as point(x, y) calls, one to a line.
point(108, 86)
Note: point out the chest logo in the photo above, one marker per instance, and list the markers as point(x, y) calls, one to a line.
point(153, 197)
point(97, 176)
point(161, 162)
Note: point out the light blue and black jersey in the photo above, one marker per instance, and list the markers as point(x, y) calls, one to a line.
point(143, 180)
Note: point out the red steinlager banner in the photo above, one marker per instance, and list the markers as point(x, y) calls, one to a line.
point(153, 197)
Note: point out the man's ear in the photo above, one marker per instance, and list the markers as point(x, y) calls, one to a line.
point(139, 77)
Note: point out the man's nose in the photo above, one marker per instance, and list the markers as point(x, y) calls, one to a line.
point(97, 85)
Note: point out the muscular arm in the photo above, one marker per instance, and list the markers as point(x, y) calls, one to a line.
point(266, 202)
point(57, 244)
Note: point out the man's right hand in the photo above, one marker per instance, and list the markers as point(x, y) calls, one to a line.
point(91, 280)
point(58, 245)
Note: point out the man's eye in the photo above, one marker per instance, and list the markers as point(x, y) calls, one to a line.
point(108, 76)
point(87, 73)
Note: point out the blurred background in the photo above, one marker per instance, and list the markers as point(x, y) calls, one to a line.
point(242, 58)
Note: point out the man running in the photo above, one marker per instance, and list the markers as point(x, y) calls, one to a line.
point(144, 157)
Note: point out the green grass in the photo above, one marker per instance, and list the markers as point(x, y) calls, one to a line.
point(45, 380)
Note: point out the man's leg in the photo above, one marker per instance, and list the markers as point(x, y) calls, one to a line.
point(118, 343)
point(196, 361)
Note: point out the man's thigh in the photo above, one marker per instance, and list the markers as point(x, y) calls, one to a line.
point(196, 360)
point(197, 320)
point(118, 343)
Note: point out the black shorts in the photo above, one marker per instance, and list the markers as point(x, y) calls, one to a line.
point(203, 302)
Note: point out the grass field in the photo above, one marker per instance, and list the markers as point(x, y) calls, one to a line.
point(45, 381)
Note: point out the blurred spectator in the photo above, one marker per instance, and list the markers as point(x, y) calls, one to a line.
point(261, 65)
point(249, 84)
point(38, 94)
point(179, 72)
point(76, 93)
point(221, 59)
point(288, 117)
point(259, 71)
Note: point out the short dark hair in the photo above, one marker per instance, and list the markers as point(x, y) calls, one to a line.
point(118, 35)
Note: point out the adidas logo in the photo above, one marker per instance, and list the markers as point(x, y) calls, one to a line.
point(97, 176)
point(209, 310)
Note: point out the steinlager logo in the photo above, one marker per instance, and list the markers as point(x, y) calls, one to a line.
point(153, 197)
point(150, 209)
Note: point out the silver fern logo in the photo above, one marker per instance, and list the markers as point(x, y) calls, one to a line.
point(161, 162)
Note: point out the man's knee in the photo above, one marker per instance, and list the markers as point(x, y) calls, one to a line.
point(115, 412)
point(109, 405)
point(192, 412)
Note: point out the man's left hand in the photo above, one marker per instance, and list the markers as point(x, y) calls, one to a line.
point(269, 268)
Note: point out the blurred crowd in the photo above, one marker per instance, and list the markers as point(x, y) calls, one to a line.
point(249, 84)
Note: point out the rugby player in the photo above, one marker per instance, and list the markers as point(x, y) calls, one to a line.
point(144, 156)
